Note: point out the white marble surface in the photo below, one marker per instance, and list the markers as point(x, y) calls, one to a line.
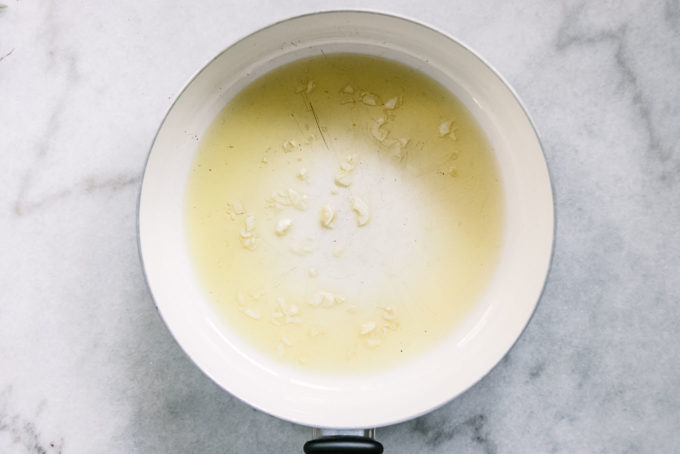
point(86, 364)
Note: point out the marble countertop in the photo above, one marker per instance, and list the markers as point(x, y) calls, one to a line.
point(86, 363)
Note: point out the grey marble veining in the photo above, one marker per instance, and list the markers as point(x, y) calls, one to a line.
point(86, 364)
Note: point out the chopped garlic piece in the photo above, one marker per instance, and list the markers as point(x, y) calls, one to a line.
point(344, 175)
point(451, 171)
point(324, 299)
point(391, 103)
point(264, 160)
point(292, 310)
point(372, 343)
point(310, 86)
point(361, 209)
point(252, 314)
point(343, 178)
point(347, 164)
point(297, 200)
point(377, 131)
point(248, 232)
point(337, 251)
point(250, 222)
point(313, 272)
point(288, 198)
point(290, 145)
point(303, 174)
point(245, 233)
point(303, 247)
point(277, 314)
point(296, 320)
point(313, 332)
point(367, 327)
point(238, 208)
point(283, 226)
point(327, 216)
point(286, 341)
point(234, 209)
point(348, 89)
point(395, 148)
point(256, 295)
point(369, 99)
point(446, 129)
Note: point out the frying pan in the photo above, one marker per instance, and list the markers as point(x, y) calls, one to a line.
point(349, 403)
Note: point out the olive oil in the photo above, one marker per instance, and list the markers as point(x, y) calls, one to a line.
point(344, 213)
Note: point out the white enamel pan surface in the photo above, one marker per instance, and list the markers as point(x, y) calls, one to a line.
point(432, 379)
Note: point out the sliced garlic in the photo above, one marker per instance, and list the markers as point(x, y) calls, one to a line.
point(360, 208)
point(348, 89)
point(327, 216)
point(283, 226)
point(310, 86)
point(286, 341)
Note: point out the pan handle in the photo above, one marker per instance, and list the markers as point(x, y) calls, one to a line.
point(343, 442)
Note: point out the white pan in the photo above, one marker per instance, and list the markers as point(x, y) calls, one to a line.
point(435, 377)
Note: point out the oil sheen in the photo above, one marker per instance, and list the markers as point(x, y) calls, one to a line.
point(344, 213)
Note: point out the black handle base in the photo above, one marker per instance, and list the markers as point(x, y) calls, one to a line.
point(343, 444)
